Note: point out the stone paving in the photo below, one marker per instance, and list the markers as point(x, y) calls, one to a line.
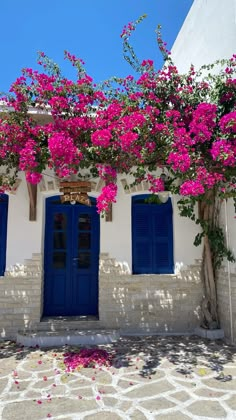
point(160, 378)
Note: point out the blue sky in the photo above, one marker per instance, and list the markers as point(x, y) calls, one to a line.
point(90, 29)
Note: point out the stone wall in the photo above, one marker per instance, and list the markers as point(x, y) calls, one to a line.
point(149, 303)
point(131, 303)
point(20, 297)
point(225, 300)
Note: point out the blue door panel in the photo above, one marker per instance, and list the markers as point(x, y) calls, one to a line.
point(71, 259)
point(3, 231)
point(58, 291)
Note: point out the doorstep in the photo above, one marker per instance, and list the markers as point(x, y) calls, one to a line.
point(61, 338)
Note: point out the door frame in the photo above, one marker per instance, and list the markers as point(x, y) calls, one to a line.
point(47, 204)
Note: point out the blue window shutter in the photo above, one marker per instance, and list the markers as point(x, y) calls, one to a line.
point(152, 237)
point(162, 239)
point(142, 248)
point(3, 231)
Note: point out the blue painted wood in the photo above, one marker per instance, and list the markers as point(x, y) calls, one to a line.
point(3, 231)
point(71, 259)
point(152, 237)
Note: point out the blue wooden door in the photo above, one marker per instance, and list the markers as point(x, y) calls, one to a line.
point(71, 259)
point(3, 231)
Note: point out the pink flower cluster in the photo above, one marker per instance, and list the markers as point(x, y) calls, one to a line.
point(180, 161)
point(203, 122)
point(33, 177)
point(127, 30)
point(228, 123)
point(28, 161)
point(127, 140)
point(147, 63)
point(107, 196)
point(204, 180)
point(102, 138)
point(28, 156)
point(106, 172)
point(224, 151)
point(192, 187)
point(157, 184)
point(64, 154)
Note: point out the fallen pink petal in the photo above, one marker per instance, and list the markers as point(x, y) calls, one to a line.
point(91, 358)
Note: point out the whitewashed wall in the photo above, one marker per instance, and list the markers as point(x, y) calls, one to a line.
point(25, 237)
point(208, 34)
point(230, 221)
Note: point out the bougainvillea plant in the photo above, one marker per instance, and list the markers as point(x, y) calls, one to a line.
point(182, 123)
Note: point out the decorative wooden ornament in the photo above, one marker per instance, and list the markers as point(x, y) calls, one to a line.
point(75, 192)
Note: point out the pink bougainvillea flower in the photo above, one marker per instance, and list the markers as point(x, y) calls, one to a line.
point(192, 187)
point(33, 177)
point(101, 138)
point(107, 196)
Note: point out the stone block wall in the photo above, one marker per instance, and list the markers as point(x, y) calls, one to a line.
point(131, 303)
point(227, 298)
point(148, 303)
point(20, 297)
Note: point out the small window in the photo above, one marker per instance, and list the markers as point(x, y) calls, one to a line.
point(152, 236)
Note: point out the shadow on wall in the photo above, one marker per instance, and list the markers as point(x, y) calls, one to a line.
point(151, 303)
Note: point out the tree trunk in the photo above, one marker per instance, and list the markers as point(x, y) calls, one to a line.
point(208, 213)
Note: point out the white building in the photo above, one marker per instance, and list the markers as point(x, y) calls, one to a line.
point(71, 269)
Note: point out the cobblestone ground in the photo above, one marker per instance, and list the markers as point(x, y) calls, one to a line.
point(150, 378)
